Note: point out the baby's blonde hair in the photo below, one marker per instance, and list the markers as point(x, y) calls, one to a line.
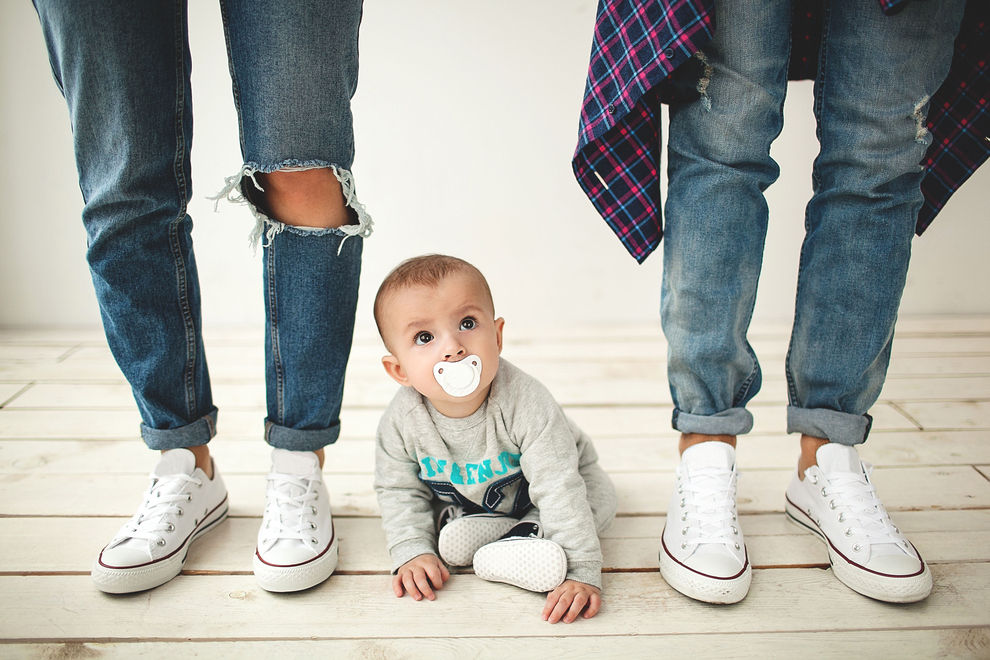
point(426, 270)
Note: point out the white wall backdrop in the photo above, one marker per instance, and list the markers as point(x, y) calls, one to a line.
point(466, 117)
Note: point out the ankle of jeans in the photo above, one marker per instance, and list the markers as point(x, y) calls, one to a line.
point(732, 421)
point(193, 434)
point(283, 437)
point(843, 428)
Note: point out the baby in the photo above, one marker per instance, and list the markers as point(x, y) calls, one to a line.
point(476, 463)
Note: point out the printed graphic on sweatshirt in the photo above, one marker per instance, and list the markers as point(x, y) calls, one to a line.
point(507, 491)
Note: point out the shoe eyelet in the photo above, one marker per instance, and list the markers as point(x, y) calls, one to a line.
point(179, 511)
point(313, 509)
point(857, 547)
point(831, 504)
point(682, 503)
point(188, 497)
point(737, 545)
point(824, 494)
point(313, 541)
point(195, 521)
point(312, 525)
point(735, 530)
point(170, 528)
point(161, 541)
point(684, 531)
point(684, 516)
point(848, 531)
point(842, 516)
point(683, 546)
point(814, 480)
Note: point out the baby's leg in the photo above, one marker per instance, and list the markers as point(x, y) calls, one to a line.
point(459, 535)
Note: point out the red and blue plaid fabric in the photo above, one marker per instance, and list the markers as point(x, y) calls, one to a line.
point(638, 44)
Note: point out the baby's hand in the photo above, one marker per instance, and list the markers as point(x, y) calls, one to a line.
point(568, 600)
point(416, 576)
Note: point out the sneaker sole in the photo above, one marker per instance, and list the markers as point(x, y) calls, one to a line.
point(282, 579)
point(140, 578)
point(462, 537)
point(699, 586)
point(887, 588)
point(532, 564)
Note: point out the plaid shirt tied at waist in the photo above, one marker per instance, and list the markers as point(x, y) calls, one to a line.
point(643, 55)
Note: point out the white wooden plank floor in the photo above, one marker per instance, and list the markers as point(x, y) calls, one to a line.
point(72, 468)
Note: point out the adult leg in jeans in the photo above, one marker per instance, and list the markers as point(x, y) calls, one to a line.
point(876, 74)
point(294, 69)
point(719, 166)
point(131, 115)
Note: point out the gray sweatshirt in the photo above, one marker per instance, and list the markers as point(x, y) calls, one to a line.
point(516, 455)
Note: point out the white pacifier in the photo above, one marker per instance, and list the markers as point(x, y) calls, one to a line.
point(459, 378)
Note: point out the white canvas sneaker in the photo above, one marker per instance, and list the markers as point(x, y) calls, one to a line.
point(297, 547)
point(837, 501)
point(181, 504)
point(460, 536)
point(523, 559)
point(702, 552)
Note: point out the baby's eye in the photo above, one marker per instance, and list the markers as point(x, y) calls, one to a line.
point(423, 338)
point(468, 324)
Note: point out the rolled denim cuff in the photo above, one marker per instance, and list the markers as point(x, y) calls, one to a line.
point(834, 426)
point(195, 434)
point(282, 437)
point(733, 421)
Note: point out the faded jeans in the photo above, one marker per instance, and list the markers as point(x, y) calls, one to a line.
point(124, 68)
point(876, 74)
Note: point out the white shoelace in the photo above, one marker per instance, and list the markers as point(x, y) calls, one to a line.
point(156, 514)
point(290, 513)
point(709, 508)
point(855, 501)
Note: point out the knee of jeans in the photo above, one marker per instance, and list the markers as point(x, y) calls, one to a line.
point(704, 81)
point(245, 188)
point(920, 115)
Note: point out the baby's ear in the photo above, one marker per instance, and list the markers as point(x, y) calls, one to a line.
point(394, 369)
point(499, 324)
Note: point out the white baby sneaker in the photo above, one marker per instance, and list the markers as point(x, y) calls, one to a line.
point(460, 536)
point(523, 559)
point(702, 552)
point(181, 504)
point(297, 547)
point(837, 501)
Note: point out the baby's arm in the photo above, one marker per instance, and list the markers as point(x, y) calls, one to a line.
point(568, 600)
point(418, 575)
point(404, 500)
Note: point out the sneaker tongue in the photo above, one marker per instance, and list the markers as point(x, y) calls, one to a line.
point(833, 457)
point(296, 463)
point(709, 454)
point(175, 461)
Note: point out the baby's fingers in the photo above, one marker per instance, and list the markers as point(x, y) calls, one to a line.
point(438, 574)
point(409, 582)
point(423, 582)
point(594, 605)
point(560, 608)
point(397, 586)
point(580, 600)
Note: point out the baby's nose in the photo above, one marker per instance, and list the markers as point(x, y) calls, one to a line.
point(459, 352)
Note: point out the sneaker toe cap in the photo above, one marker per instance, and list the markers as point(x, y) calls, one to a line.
point(716, 562)
point(896, 565)
point(125, 556)
point(287, 552)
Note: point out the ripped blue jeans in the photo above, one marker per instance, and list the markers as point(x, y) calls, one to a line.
point(124, 70)
point(875, 76)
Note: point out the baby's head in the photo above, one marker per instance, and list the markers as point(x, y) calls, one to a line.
point(433, 312)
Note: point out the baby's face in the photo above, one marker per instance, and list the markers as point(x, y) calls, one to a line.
point(424, 326)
